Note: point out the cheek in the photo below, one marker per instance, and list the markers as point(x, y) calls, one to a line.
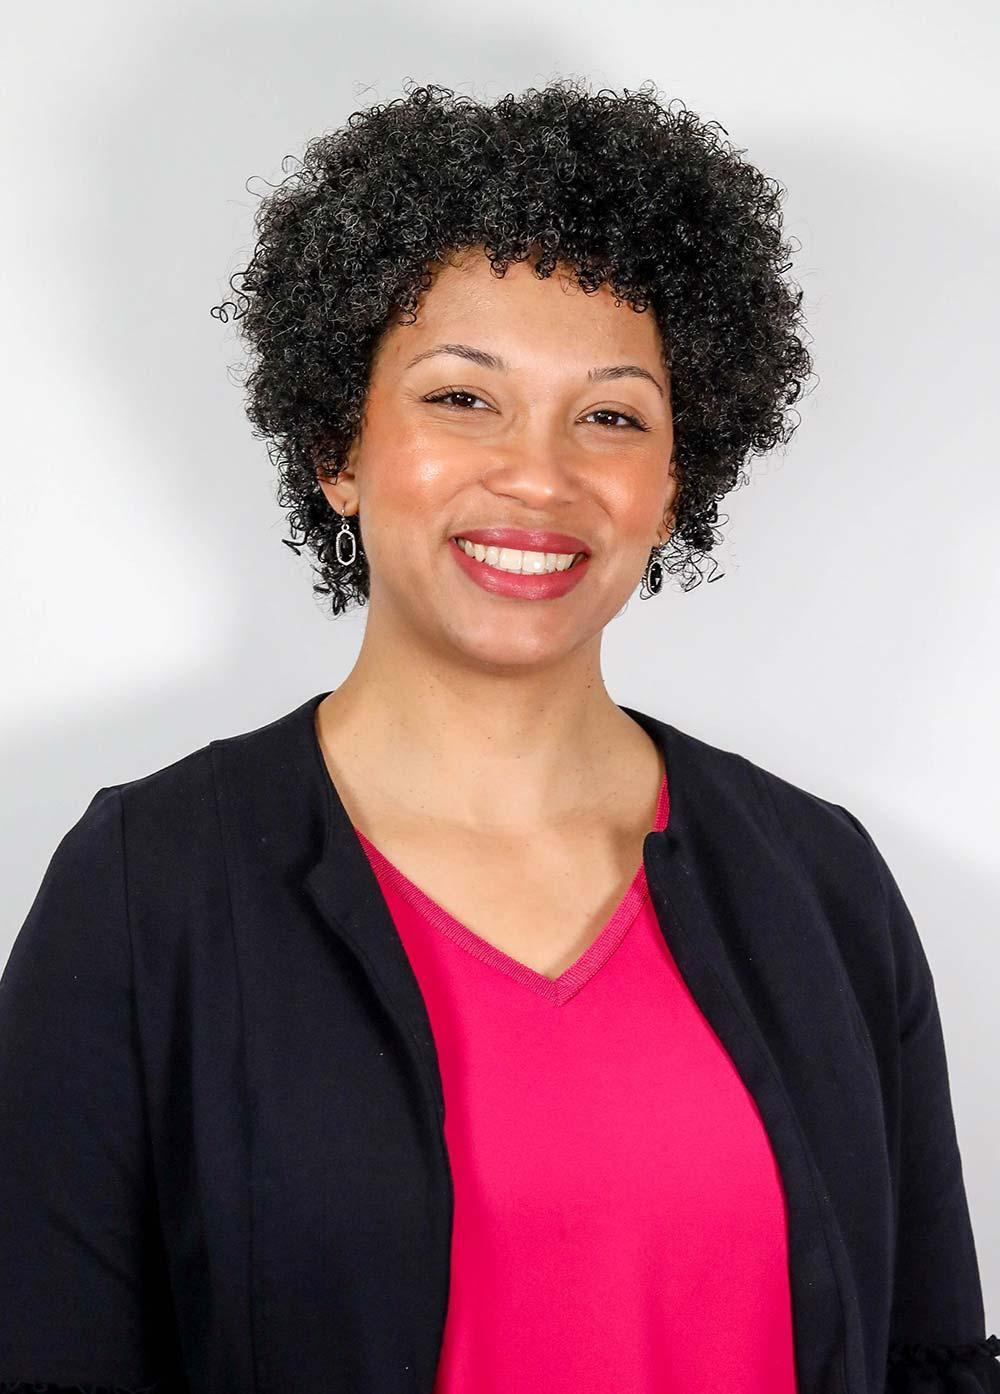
point(407, 481)
point(407, 497)
point(635, 500)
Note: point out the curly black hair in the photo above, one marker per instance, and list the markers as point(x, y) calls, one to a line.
point(619, 188)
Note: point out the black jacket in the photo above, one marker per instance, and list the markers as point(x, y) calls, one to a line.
point(223, 1166)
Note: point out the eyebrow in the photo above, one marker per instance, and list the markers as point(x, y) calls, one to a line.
point(492, 360)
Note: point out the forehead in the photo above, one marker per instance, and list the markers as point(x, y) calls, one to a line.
point(524, 318)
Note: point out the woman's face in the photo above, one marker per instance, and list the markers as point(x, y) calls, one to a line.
point(561, 422)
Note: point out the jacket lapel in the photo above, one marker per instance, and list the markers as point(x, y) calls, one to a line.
point(347, 894)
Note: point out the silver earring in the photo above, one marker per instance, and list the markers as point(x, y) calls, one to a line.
point(652, 577)
point(338, 542)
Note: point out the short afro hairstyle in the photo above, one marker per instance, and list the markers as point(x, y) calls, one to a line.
point(620, 188)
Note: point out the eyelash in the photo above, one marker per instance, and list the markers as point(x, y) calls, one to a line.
point(602, 411)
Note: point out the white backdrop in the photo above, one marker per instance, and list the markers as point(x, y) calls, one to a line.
point(149, 606)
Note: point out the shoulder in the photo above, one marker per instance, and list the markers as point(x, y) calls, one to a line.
point(727, 778)
point(740, 813)
point(151, 838)
point(78, 923)
point(180, 800)
point(726, 794)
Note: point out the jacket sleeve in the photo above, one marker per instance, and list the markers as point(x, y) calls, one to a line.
point(84, 1300)
point(937, 1339)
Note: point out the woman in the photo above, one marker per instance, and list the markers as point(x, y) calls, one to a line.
point(460, 1029)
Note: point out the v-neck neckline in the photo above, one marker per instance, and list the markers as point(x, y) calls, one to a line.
point(556, 990)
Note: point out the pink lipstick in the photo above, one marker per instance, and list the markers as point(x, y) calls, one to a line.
point(535, 586)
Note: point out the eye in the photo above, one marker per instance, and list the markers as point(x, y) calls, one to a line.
point(453, 392)
point(634, 423)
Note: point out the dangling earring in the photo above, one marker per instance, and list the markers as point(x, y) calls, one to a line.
point(345, 532)
point(652, 577)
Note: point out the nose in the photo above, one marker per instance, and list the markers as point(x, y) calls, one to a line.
point(536, 468)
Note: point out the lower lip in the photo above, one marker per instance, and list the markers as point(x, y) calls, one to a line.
point(542, 586)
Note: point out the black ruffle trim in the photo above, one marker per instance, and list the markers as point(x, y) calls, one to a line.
point(25, 1386)
point(938, 1369)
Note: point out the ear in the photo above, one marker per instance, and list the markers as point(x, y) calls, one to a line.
point(341, 493)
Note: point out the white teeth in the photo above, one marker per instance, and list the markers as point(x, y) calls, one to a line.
point(524, 563)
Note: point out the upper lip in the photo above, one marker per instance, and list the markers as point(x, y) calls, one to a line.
point(525, 539)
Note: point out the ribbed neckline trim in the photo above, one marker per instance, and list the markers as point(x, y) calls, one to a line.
point(555, 990)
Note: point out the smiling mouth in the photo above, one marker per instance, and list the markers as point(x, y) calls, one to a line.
point(514, 561)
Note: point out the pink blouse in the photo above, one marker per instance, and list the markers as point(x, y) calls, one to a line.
point(619, 1219)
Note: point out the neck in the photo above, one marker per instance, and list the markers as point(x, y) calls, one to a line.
point(488, 749)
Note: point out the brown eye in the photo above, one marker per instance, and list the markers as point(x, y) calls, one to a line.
point(622, 416)
point(453, 392)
